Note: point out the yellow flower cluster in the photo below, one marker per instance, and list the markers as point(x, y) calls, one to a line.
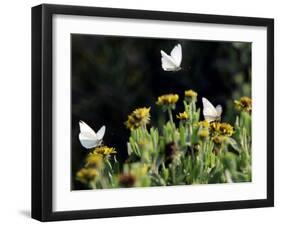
point(217, 130)
point(244, 104)
point(139, 117)
point(182, 116)
point(104, 151)
point(223, 129)
point(94, 164)
point(191, 95)
point(94, 159)
point(168, 99)
point(87, 174)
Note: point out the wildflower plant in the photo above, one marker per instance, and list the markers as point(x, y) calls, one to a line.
point(168, 103)
point(192, 151)
point(140, 117)
point(244, 104)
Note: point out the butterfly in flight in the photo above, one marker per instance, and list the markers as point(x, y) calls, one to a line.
point(172, 62)
point(88, 137)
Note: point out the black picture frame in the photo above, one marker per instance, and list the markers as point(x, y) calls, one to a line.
point(42, 111)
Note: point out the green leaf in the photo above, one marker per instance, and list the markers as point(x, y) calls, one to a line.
point(233, 144)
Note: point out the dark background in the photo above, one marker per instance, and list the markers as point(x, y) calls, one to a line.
point(111, 76)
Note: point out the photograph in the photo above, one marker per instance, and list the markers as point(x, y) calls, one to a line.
point(149, 112)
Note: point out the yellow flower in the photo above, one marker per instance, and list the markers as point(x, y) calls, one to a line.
point(94, 159)
point(244, 104)
point(139, 117)
point(204, 124)
point(215, 127)
point(226, 129)
point(182, 116)
point(191, 95)
point(223, 129)
point(85, 175)
point(104, 151)
point(168, 99)
point(203, 133)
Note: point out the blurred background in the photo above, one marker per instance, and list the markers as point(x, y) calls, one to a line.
point(111, 76)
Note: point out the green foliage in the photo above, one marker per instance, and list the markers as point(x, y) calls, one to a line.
point(188, 152)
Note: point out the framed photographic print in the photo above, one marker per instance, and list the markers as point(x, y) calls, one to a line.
point(144, 112)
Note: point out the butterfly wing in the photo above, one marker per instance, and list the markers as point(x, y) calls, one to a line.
point(176, 54)
point(219, 110)
point(88, 141)
point(168, 63)
point(84, 128)
point(209, 111)
point(87, 136)
point(101, 133)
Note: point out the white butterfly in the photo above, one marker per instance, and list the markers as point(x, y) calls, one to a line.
point(210, 112)
point(87, 136)
point(172, 62)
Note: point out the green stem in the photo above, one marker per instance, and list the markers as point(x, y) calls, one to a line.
point(143, 127)
point(190, 113)
point(170, 115)
point(192, 155)
point(173, 174)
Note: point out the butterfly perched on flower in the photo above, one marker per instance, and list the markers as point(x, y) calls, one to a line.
point(210, 112)
point(88, 137)
point(172, 62)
